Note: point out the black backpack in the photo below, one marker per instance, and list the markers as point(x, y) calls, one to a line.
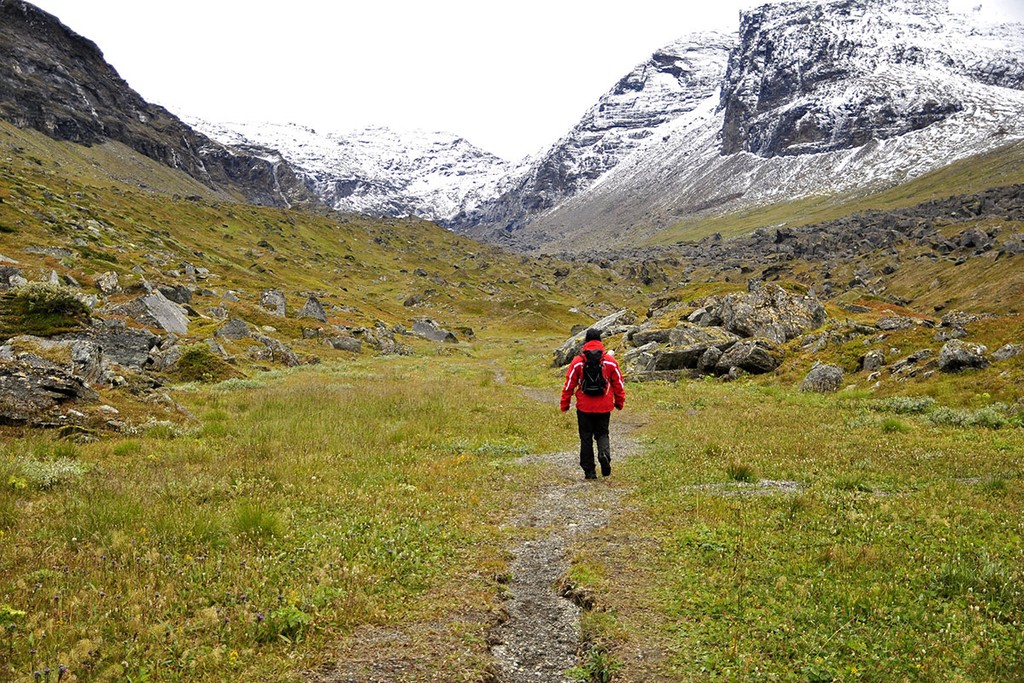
point(593, 383)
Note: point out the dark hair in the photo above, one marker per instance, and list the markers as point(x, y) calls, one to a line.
point(593, 334)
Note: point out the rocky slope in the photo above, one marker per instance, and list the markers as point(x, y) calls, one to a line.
point(377, 171)
point(839, 97)
point(58, 82)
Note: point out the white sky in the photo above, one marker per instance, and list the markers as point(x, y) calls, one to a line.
point(510, 77)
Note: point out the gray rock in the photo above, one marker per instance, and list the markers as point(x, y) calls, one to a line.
point(231, 297)
point(957, 355)
point(155, 310)
point(823, 379)
point(273, 300)
point(235, 328)
point(1007, 351)
point(896, 322)
point(34, 392)
point(274, 351)
point(709, 360)
point(873, 360)
point(692, 335)
point(109, 283)
point(769, 312)
point(313, 309)
point(127, 347)
point(756, 356)
point(179, 294)
point(430, 330)
point(346, 344)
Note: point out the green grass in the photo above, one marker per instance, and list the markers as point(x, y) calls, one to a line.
point(900, 557)
point(333, 498)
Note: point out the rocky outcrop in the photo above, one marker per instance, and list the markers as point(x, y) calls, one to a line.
point(756, 356)
point(273, 300)
point(768, 311)
point(617, 323)
point(58, 83)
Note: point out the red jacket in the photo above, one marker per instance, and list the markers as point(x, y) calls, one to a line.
point(614, 395)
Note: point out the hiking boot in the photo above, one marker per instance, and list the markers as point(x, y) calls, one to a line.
point(590, 475)
point(606, 464)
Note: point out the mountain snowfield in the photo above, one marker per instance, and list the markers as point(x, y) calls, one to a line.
point(842, 97)
point(376, 171)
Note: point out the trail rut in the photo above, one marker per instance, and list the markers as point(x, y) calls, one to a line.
point(541, 638)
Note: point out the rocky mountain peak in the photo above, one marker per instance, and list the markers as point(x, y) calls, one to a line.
point(57, 82)
point(814, 77)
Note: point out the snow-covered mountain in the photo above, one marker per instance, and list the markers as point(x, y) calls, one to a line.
point(823, 97)
point(835, 97)
point(376, 171)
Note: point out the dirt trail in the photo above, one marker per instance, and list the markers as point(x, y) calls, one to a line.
point(541, 638)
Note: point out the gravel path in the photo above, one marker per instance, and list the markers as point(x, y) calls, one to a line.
point(541, 638)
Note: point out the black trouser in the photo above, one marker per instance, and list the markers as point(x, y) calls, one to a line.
point(593, 426)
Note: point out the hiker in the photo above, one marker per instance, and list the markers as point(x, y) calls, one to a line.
point(595, 379)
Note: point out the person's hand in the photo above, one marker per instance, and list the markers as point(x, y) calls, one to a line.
point(565, 410)
point(618, 406)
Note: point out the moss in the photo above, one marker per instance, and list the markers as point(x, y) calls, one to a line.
point(41, 310)
point(199, 364)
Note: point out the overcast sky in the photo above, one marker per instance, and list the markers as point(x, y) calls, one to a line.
point(510, 77)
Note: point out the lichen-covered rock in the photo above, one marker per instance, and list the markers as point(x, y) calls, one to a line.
point(108, 283)
point(273, 300)
point(1007, 351)
point(235, 328)
point(350, 344)
point(873, 360)
point(957, 355)
point(823, 379)
point(708, 360)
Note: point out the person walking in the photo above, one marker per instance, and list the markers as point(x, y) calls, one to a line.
point(595, 380)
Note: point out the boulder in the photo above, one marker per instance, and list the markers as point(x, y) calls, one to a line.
point(235, 328)
point(873, 360)
point(346, 344)
point(273, 300)
point(155, 310)
point(80, 357)
point(179, 294)
point(274, 351)
point(108, 283)
point(709, 360)
point(430, 330)
point(896, 322)
point(687, 334)
point(957, 355)
point(756, 356)
point(823, 379)
point(313, 309)
point(1007, 351)
point(769, 312)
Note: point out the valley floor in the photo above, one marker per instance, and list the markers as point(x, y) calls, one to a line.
point(383, 519)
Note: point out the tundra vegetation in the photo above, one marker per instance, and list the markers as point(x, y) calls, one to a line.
point(246, 518)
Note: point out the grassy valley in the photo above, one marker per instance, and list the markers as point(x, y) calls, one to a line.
point(348, 518)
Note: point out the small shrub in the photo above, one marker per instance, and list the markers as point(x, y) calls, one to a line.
point(739, 471)
point(995, 487)
point(6, 229)
point(46, 474)
point(43, 309)
point(990, 417)
point(598, 666)
point(127, 448)
point(906, 405)
point(854, 482)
